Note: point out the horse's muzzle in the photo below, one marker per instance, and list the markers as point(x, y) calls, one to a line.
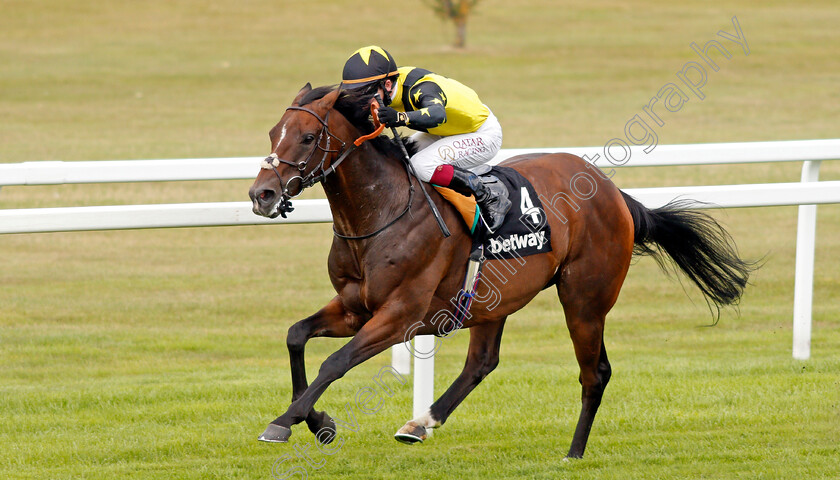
point(268, 203)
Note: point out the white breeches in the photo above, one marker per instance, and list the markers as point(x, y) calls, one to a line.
point(465, 150)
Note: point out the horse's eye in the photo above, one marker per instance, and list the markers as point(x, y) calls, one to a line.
point(307, 139)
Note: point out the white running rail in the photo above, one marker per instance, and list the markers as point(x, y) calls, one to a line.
point(807, 194)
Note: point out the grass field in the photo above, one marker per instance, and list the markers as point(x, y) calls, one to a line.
point(161, 353)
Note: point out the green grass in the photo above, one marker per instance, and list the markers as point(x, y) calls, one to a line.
point(161, 353)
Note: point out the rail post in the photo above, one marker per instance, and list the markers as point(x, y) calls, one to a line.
point(424, 373)
point(401, 358)
point(803, 290)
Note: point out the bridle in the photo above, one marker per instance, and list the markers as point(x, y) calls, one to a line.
point(318, 174)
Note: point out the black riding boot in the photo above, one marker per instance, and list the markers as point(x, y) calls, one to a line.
point(493, 207)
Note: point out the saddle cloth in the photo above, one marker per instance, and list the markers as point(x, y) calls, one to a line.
point(525, 230)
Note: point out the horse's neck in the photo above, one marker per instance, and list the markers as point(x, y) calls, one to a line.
point(365, 190)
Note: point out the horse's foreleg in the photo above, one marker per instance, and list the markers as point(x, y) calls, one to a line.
point(330, 321)
point(482, 358)
point(379, 333)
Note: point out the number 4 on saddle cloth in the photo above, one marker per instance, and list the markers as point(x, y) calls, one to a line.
point(524, 232)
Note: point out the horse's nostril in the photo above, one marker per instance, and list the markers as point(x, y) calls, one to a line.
point(265, 196)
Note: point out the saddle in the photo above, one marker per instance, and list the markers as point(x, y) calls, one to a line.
point(525, 230)
point(467, 206)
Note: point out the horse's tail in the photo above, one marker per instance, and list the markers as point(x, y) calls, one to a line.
point(696, 243)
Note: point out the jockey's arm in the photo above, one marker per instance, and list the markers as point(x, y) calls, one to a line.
point(429, 104)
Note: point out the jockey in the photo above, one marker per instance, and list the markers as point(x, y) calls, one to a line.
point(455, 130)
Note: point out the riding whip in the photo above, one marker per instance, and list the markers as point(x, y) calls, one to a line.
point(443, 228)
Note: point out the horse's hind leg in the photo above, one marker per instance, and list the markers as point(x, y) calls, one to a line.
point(330, 321)
point(586, 300)
point(482, 358)
point(595, 373)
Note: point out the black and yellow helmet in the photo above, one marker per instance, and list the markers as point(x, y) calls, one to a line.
point(368, 65)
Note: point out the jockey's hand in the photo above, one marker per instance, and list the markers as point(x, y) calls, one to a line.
point(392, 118)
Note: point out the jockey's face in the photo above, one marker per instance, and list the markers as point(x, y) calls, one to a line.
point(388, 90)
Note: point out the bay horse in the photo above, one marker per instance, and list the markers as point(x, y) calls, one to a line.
point(392, 269)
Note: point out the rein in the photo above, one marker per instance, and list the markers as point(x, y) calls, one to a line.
point(273, 161)
point(377, 232)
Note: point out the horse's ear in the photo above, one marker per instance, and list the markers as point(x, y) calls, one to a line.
point(329, 99)
point(303, 91)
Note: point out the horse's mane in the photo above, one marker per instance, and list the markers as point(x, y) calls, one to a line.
point(354, 106)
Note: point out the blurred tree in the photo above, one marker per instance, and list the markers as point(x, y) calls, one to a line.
point(458, 11)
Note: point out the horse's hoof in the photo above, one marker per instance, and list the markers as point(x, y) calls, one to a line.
point(326, 434)
point(323, 427)
point(411, 433)
point(275, 434)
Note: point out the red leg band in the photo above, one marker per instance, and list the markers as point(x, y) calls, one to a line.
point(443, 175)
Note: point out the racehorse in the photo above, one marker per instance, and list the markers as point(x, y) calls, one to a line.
point(392, 269)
